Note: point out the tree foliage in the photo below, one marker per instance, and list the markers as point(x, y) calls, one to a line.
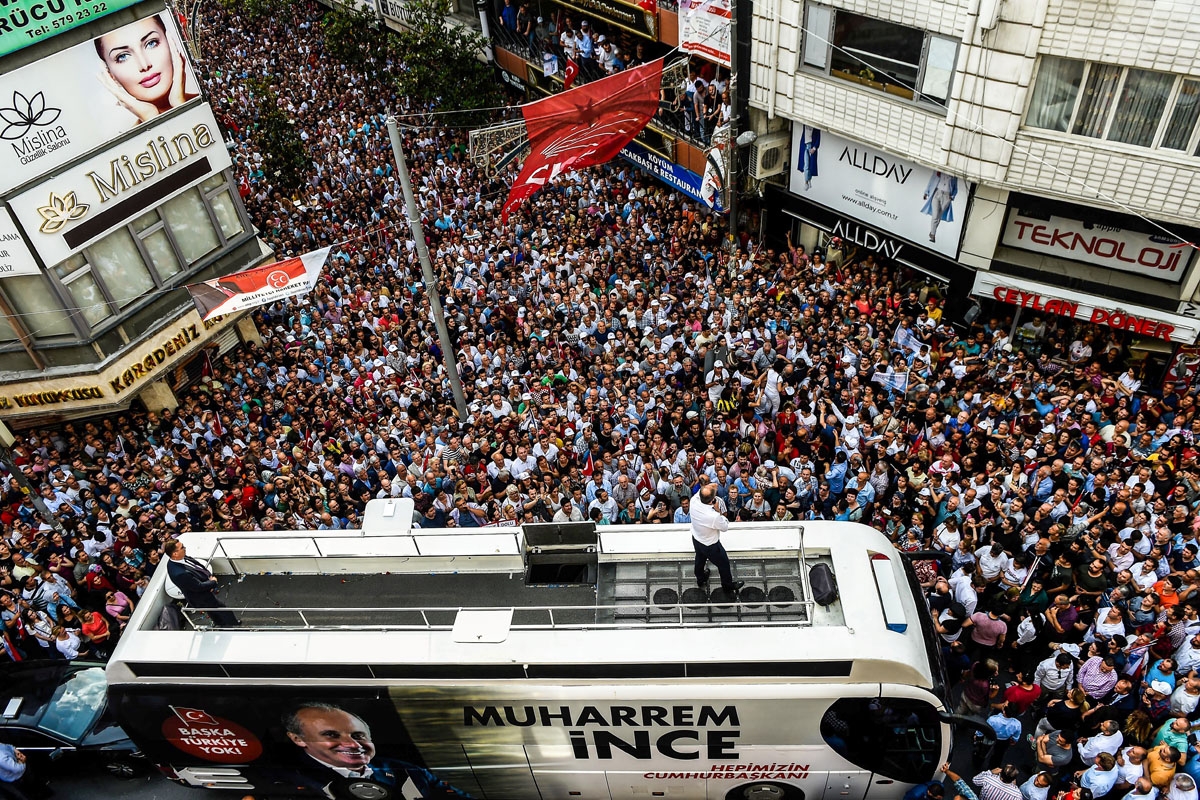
point(258, 9)
point(286, 161)
point(352, 36)
point(439, 62)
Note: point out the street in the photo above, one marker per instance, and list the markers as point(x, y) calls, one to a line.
point(95, 785)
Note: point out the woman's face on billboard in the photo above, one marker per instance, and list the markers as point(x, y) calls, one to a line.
point(138, 57)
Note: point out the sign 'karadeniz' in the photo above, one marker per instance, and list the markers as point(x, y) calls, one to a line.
point(75, 208)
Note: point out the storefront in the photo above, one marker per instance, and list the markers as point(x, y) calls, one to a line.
point(1048, 301)
point(1096, 252)
point(897, 210)
point(1150, 338)
point(105, 217)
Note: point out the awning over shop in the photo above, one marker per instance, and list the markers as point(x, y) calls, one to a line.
point(1051, 301)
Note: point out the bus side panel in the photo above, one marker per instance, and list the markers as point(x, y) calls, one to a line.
point(527, 740)
point(689, 741)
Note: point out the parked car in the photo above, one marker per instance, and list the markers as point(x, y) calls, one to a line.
point(59, 709)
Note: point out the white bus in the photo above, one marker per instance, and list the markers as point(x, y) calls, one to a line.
point(544, 662)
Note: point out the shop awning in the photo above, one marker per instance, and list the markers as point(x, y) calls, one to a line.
point(1052, 301)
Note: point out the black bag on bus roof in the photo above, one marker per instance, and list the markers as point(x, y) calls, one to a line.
point(824, 585)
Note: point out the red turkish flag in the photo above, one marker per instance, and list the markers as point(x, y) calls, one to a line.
point(649, 6)
point(571, 73)
point(584, 127)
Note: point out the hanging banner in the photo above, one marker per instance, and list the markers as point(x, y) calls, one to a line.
point(71, 102)
point(584, 127)
point(259, 286)
point(1183, 371)
point(901, 198)
point(704, 29)
point(713, 183)
point(26, 22)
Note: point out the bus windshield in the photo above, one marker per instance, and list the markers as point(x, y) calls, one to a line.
point(898, 738)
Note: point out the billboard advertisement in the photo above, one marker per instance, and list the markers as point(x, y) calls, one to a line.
point(58, 108)
point(26, 22)
point(1149, 254)
point(924, 206)
point(75, 208)
point(705, 28)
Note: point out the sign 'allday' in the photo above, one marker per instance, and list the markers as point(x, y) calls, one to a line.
point(899, 197)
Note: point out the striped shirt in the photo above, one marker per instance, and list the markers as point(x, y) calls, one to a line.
point(992, 788)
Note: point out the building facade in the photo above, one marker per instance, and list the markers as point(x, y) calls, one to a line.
point(1036, 154)
point(116, 190)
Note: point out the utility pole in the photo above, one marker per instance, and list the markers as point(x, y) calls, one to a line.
point(435, 301)
point(732, 178)
point(28, 489)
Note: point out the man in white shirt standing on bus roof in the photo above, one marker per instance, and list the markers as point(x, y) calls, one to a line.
point(707, 524)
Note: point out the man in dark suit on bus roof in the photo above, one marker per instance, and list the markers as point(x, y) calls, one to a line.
point(198, 585)
point(343, 757)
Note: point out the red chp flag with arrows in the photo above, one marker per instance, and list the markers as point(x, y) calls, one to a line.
point(584, 127)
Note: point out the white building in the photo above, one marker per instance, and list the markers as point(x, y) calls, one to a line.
point(1066, 131)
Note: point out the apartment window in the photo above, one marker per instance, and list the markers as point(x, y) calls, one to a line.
point(193, 230)
point(87, 296)
point(901, 61)
point(119, 263)
point(36, 306)
point(1139, 107)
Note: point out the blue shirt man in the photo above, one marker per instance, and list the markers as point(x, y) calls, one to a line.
point(1007, 729)
point(12, 764)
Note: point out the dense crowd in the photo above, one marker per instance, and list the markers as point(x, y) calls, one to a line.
point(617, 357)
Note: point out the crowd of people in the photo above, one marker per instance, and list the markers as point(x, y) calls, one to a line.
point(617, 357)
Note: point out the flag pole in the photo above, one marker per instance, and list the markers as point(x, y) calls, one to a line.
point(431, 288)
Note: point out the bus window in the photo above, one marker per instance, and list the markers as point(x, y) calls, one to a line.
point(897, 738)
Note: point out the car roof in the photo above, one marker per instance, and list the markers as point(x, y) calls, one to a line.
point(34, 684)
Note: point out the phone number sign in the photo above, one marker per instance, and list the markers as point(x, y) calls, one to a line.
point(26, 22)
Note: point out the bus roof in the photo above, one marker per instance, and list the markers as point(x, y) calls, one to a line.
point(566, 602)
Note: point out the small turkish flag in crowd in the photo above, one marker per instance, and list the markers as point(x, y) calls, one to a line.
point(571, 72)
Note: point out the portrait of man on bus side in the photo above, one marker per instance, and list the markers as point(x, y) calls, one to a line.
point(337, 753)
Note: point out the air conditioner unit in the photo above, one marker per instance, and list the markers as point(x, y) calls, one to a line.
point(769, 154)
